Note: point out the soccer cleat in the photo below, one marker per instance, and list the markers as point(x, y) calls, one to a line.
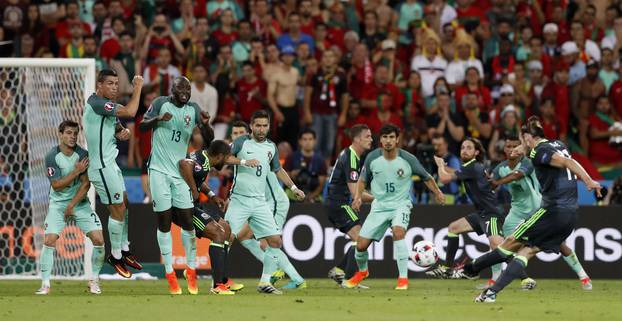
point(463, 274)
point(292, 285)
point(173, 285)
point(337, 275)
point(222, 289)
point(191, 277)
point(130, 260)
point(119, 266)
point(355, 280)
point(268, 288)
point(43, 290)
point(94, 287)
point(277, 276)
point(487, 296)
point(234, 286)
point(586, 283)
point(528, 284)
point(439, 271)
point(402, 284)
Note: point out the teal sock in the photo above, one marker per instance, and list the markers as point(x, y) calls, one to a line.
point(189, 239)
point(496, 271)
point(115, 230)
point(361, 259)
point(270, 263)
point(573, 261)
point(252, 246)
point(125, 242)
point(401, 253)
point(46, 261)
point(97, 260)
point(165, 241)
point(286, 265)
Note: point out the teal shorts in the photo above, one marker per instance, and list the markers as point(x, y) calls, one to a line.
point(109, 183)
point(255, 212)
point(279, 207)
point(514, 219)
point(84, 216)
point(168, 191)
point(381, 218)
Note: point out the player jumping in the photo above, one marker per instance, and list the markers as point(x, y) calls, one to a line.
point(66, 166)
point(102, 130)
point(389, 171)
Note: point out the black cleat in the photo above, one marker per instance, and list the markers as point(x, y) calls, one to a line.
point(130, 260)
point(119, 266)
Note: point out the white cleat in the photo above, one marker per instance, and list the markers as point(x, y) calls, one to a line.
point(44, 290)
point(94, 287)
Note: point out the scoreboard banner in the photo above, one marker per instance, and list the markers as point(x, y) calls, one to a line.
point(314, 245)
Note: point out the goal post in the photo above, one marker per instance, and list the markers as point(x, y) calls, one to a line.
point(35, 97)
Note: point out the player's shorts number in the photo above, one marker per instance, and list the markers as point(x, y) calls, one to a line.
point(258, 170)
point(390, 187)
point(176, 136)
point(95, 218)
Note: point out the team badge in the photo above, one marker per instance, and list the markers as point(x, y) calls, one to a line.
point(117, 196)
point(197, 167)
point(354, 175)
point(400, 172)
point(109, 106)
point(51, 171)
point(187, 120)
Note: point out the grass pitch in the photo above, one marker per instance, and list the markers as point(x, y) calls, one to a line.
point(425, 300)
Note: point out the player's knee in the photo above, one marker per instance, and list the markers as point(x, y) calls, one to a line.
point(398, 234)
point(97, 239)
point(454, 227)
point(50, 240)
point(274, 241)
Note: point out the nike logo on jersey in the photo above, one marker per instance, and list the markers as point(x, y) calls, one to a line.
point(376, 173)
point(249, 152)
point(163, 254)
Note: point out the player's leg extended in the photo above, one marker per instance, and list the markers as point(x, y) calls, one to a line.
point(454, 230)
point(501, 254)
point(510, 223)
point(217, 233)
point(189, 242)
point(46, 260)
point(401, 252)
point(270, 264)
point(285, 265)
point(347, 221)
point(570, 257)
point(494, 231)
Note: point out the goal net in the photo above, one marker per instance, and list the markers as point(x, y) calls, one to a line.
point(36, 95)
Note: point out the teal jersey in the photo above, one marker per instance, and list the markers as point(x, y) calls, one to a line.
point(248, 181)
point(391, 180)
point(60, 165)
point(99, 122)
point(169, 142)
point(274, 190)
point(525, 192)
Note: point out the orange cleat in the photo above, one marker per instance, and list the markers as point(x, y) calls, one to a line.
point(222, 289)
point(356, 279)
point(191, 277)
point(173, 285)
point(234, 286)
point(402, 284)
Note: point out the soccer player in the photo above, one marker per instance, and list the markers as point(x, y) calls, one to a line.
point(278, 203)
point(518, 173)
point(548, 227)
point(388, 171)
point(66, 165)
point(102, 130)
point(173, 119)
point(341, 188)
point(489, 216)
point(254, 156)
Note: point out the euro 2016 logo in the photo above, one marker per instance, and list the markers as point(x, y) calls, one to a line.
point(51, 171)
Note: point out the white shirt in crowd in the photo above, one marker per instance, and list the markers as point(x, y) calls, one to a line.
point(171, 71)
point(592, 50)
point(207, 99)
point(456, 70)
point(429, 71)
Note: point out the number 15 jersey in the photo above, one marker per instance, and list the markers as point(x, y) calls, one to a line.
point(252, 181)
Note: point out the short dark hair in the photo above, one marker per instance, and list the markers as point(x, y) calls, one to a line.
point(101, 76)
point(67, 123)
point(512, 136)
point(533, 127)
point(248, 63)
point(389, 129)
point(125, 33)
point(479, 147)
point(260, 114)
point(357, 129)
point(239, 123)
point(307, 131)
point(218, 147)
point(439, 135)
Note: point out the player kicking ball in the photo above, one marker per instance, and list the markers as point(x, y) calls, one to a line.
point(102, 130)
point(173, 119)
point(548, 227)
point(254, 156)
point(389, 172)
point(66, 166)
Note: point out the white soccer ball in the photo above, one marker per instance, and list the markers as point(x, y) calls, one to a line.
point(424, 254)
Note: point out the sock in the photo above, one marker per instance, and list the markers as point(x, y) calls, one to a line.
point(344, 259)
point(288, 268)
point(512, 272)
point(252, 246)
point(165, 242)
point(217, 259)
point(573, 262)
point(361, 259)
point(270, 263)
point(97, 260)
point(401, 252)
point(125, 242)
point(225, 263)
point(115, 230)
point(491, 258)
point(453, 241)
point(496, 271)
point(351, 266)
point(189, 240)
point(46, 261)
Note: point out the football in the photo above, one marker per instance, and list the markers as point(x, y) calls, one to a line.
point(424, 254)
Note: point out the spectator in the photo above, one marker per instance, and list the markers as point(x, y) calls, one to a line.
point(202, 93)
point(507, 97)
point(588, 49)
point(72, 18)
point(307, 21)
point(570, 54)
point(477, 123)
point(126, 64)
point(294, 36)
point(320, 38)
point(306, 167)
point(101, 23)
point(353, 117)
point(282, 88)
point(51, 11)
point(551, 44)
point(13, 16)
point(441, 149)
point(326, 103)
point(387, 57)
point(90, 51)
point(607, 73)
point(160, 36)
point(409, 11)
point(615, 92)
point(502, 64)
point(225, 34)
point(381, 86)
point(266, 28)
point(242, 46)
point(537, 53)
point(251, 92)
point(559, 90)
point(473, 84)
point(161, 73)
point(183, 25)
point(384, 114)
point(430, 63)
point(591, 30)
point(361, 72)
point(601, 123)
point(465, 58)
point(75, 47)
point(272, 62)
point(590, 89)
point(216, 8)
point(201, 34)
point(553, 127)
point(34, 26)
point(111, 47)
point(446, 123)
point(371, 35)
point(413, 96)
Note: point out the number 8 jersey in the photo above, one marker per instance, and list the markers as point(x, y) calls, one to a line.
point(252, 181)
point(559, 185)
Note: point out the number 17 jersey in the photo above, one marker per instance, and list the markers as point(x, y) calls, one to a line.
point(252, 181)
point(559, 185)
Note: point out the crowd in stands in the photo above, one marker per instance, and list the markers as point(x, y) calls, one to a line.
point(441, 70)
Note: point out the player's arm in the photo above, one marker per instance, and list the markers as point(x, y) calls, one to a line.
point(85, 185)
point(359, 192)
point(445, 174)
point(212, 196)
point(62, 182)
point(561, 161)
point(365, 197)
point(232, 160)
point(417, 169)
point(186, 166)
point(282, 175)
point(129, 110)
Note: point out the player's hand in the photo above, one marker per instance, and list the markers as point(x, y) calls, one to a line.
point(69, 214)
point(218, 201)
point(356, 204)
point(252, 163)
point(440, 198)
point(300, 195)
point(123, 135)
point(195, 195)
point(594, 185)
point(205, 117)
point(165, 117)
point(439, 161)
point(137, 82)
point(82, 165)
